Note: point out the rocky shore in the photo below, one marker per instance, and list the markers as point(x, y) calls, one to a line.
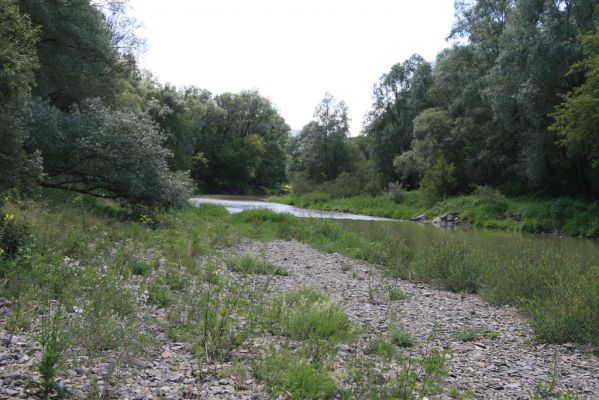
point(503, 363)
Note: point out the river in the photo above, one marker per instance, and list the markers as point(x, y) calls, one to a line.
point(579, 251)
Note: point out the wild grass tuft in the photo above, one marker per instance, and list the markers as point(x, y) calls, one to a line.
point(308, 314)
point(251, 264)
point(294, 377)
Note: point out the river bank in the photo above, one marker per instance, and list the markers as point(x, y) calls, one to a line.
point(201, 303)
point(485, 209)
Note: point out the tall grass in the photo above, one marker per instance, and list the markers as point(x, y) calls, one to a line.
point(485, 208)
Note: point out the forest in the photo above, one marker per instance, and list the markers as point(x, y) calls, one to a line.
point(512, 104)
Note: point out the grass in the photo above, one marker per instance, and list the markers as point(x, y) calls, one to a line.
point(468, 334)
point(401, 338)
point(103, 266)
point(396, 294)
point(485, 208)
point(251, 264)
point(290, 375)
point(308, 314)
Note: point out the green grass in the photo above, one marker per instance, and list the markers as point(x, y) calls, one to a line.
point(380, 347)
point(288, 374)
point(396, 294)
point(74, 244)
point(485, 208)
point(468, 334)
point(308, 314)
point(401, 338)
point(251, 264)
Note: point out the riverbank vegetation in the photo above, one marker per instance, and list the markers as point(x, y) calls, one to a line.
point(510, 106)
point(97, 273)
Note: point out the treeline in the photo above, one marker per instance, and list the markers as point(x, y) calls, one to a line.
point(513, 104)
point(76, 113)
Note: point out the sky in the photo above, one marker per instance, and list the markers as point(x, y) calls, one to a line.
point(292, 51)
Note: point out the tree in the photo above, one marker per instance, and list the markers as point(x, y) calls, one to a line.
point(76, 53)
point(240, 139)
point(322, 151)
point(576, 119)
point(17, 66)
point(105, 153)
point(399, 96)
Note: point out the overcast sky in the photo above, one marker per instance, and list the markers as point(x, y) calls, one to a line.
point(292, 51)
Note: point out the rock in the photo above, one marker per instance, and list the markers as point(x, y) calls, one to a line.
point(419, 218)
point(223, 382)
point(5, 356)
point(175, 377)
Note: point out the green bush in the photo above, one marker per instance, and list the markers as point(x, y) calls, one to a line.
point(438, 182)
point(12, 235)
point(395, 192)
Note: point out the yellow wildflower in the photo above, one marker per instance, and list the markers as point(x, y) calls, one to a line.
point(1, 251)
point(9, 217)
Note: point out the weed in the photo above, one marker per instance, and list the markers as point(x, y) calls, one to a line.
point(251, 264)
point(308, 314)
point(53, 344)
point(468, 334)
point(379, 347)
point(159, 296)
point(396, 294)
point(286, 373)
point(141, 268)
point(401, 338)
point(491, 335)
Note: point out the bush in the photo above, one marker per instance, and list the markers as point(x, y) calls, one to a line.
point(12, 235)
point(438, 182)
point(491, 199)
point(396, 193)
point(106, 153)
point(251, 264)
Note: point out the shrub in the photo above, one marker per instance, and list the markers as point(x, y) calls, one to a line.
point(395, 192)
point(106, 153)
point(12, 235)
point(438, 182)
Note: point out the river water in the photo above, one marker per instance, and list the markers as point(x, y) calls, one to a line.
point(576, 250)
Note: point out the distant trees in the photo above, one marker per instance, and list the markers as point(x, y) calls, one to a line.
point(320, 151)
point(486, 106)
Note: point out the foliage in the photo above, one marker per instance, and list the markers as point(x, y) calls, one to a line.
point(320, 150)
point(249, 263)
point(438, 182)
point(307, 314)
point(576, 118)
point(396, 193)
point(287, 373)
point(18, 62)
point(76, 53)
point(106, 153)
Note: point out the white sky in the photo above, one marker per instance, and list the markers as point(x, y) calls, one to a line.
point(292, 51)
